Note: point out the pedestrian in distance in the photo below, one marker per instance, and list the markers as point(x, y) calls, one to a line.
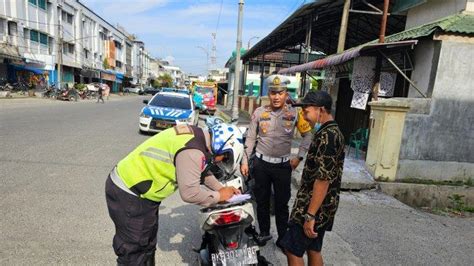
point(317, 198)
point(178, 158)
point(271, 132)
point(100, 93)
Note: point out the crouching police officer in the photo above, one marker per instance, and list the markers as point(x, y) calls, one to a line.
point(176, 158)
point(271, 130)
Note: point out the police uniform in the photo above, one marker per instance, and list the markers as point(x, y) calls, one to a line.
point(271, 133)
point(146, 176)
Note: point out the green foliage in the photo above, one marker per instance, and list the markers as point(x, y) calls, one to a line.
point(80, 86)
point(165, 80)
point(314, 84)
point(211, 80)
point(457, 202)
point(156, 83)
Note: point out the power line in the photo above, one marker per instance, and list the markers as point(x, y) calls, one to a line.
point(219, 16)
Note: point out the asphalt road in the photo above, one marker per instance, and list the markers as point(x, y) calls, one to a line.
point(55, 157)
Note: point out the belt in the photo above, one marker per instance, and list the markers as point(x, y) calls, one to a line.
point(119, 182)
point(270, 159)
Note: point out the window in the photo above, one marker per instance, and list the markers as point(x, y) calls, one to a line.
point(12, 28)
point(34, 36)
point(63, 16)
point(42, 4)
point(69, 18)
point(2, 23)
point(86, 53)
point(26, 33)
point(118, 63)
point(43, 39)
point(71, 48)
point(39, 3)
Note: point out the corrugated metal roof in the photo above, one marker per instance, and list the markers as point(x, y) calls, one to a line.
point(460, 23)
point(345, 56)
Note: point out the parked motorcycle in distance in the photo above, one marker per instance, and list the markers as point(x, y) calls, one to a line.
point(68, 94)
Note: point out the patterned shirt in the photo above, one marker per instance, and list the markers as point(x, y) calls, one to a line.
point(325, 161)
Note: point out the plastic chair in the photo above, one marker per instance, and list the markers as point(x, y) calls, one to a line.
point(359, 139)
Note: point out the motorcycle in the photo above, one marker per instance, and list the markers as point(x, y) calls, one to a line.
point(229, 234)
point(67, 95)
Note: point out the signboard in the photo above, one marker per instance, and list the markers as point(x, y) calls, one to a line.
point(107, 76)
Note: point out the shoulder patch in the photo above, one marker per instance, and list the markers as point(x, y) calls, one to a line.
point(183, 129)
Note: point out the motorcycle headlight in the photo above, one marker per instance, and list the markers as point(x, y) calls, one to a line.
point(144, 115)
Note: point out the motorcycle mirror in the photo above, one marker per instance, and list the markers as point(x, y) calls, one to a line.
point(145, 101)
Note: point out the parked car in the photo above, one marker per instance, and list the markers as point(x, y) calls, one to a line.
point(167, 109)
point(136, 90)
point(150, 90)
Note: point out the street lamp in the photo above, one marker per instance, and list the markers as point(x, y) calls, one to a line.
point(207, 56)
point(248, 43)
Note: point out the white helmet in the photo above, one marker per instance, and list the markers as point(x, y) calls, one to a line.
point(227, 139)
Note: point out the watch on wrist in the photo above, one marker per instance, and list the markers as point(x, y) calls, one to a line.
point(309, 217)
point(300, 158)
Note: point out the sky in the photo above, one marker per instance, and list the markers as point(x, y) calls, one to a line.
point(173, 29)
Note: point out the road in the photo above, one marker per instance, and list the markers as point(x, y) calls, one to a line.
point(55, 157)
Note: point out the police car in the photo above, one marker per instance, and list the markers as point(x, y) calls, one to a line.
point(167, 108)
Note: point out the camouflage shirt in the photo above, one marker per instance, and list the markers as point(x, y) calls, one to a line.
point(324, 161)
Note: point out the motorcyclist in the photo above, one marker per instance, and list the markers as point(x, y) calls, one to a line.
point(177, 158)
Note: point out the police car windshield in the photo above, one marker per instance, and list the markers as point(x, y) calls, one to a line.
point(171, 101)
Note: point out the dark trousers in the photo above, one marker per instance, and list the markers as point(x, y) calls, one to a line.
point(136, 225)
point(266, 175)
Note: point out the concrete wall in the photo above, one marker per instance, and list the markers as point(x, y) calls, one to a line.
point(425, 64)
point(439, 144)
point(433, 10)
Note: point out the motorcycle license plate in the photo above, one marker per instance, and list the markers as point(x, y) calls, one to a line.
point(241, 256)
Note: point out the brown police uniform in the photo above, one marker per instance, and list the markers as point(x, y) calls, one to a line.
point(271, 133)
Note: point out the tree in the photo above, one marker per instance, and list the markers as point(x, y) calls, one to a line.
point(165, 80)
point(156, 83)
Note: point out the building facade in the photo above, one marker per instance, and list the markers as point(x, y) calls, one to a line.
point(66, 42)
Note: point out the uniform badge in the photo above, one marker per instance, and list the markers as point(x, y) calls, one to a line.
point(265, 116)
point(264, 127)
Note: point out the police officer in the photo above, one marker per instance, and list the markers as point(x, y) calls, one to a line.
point(270, 133)
point(176, 158)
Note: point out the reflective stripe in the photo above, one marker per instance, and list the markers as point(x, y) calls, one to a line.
point(156, 156)
point(119, 182)
point(160, 152)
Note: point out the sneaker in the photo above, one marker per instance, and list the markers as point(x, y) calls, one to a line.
point(263, 239)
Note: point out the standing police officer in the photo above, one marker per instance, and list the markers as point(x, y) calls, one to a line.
point(271, 132)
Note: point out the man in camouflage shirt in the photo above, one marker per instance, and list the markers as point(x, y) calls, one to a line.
point(318, 197)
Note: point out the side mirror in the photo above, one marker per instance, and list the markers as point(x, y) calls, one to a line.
point(145, 101)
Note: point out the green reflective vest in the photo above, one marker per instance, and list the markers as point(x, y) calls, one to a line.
point(149, 170)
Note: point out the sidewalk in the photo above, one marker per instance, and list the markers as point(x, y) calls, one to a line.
point(372, 228)
point(355, 176)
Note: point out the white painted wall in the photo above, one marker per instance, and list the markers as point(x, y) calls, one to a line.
point(433, 10)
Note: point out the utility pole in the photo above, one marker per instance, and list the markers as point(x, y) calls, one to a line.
point(60, 50)
point(343, 30)
point(213, 54)
point(235, 98)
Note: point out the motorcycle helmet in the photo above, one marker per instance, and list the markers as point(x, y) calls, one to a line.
point(227, 140)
